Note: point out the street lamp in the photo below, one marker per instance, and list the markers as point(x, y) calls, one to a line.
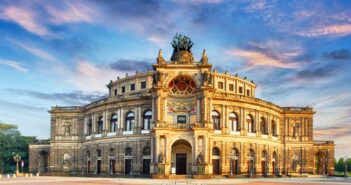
point(17, 158)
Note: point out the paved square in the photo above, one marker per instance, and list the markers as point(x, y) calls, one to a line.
point(137, 181)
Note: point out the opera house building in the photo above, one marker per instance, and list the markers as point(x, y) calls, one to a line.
point(182, 118)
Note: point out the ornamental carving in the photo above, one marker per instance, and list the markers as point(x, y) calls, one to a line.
point(182, 85)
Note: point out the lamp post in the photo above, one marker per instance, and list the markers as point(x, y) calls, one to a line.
point(345, 171)
point(17, 158)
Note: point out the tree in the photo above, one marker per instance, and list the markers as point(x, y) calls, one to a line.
point(11, 143)
point(340, 165)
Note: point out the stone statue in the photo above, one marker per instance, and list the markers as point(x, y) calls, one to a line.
point(204, 58)
point(181, 43)
point(201, 158)
point(160, 59)
point(161, 158)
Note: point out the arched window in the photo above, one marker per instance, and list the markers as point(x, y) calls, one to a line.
point(250, 124)
point(111, 152)
point(98, 153)
point(263, 126)
point(215, 120)
point(100, 125)
point(128, 152)
point(264, 154)
point(147, 120)
point(90, 126)
point(147, 151)
point(215, 151)
point(274, 128)
point(233, 121)
point(113, 123)
point(129, 121)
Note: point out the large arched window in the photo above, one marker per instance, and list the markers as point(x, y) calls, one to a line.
point(250, 124)
point(100, 125)
point(274, 128)
point(263, 126)
point(113, 123)
point(98, 153)
point(129, 121)
point(147, 151)
point(90, 126)
point(215, 120)
point(147, 120)
point(233, 121)
point(111, 152)
point(215, 151)
point(128, 152)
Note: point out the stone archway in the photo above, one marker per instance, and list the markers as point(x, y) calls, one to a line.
point(320, 163)
point(43, 162)
point(181, 157)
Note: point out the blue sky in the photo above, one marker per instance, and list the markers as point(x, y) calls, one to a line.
point(65, 52)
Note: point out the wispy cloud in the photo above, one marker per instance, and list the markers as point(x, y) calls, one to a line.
point(33, 50)
point(70, 12)
point(130, 65)
point(13, 64)
point(337, 30)
point(255, 58)
point(68, 98)
point(26, 18)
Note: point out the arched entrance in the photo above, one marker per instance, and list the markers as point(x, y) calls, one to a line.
point(264, 162)
point(320, 163)
point(43, 162)
point(181, 157)
point(146, 160)
point(98, 161)
point(215, 161)
point(112, 162)
point(251, 167)
point(275, 163)
point(234, 162)
point(128, 161)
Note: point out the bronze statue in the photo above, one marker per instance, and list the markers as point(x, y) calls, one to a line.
point(181, 43)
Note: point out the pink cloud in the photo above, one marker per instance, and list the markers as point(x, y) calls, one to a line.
point(27, 19)
point(257, 58)
point(70, 13)
point(337, 30)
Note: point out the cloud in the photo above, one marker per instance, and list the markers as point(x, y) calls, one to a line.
point(37, 17)
point(337, 30)
point(333, 131)
point(340, 54)
point(130, 65)
point(70, 98)
point(70, 12)
point(13, 64)
point(255, 58)
point(33, 50)
point(19, 106)
point(26, 18)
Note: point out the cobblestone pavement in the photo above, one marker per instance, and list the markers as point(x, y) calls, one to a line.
point(138, 181)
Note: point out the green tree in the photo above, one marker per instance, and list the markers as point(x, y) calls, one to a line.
point(340, 165)
point(11, 143)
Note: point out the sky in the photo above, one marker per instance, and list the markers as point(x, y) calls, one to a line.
point(65, 52)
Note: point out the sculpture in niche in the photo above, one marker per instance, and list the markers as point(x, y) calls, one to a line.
point(200, 158)
point(67, 130)
point(161, 158)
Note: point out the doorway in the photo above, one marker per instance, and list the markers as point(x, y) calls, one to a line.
point(98, 167)
point(180, 164)
point(146, 166)
point(127, 166)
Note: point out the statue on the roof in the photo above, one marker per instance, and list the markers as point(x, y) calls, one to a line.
point(181, 43)
point(182, 50)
